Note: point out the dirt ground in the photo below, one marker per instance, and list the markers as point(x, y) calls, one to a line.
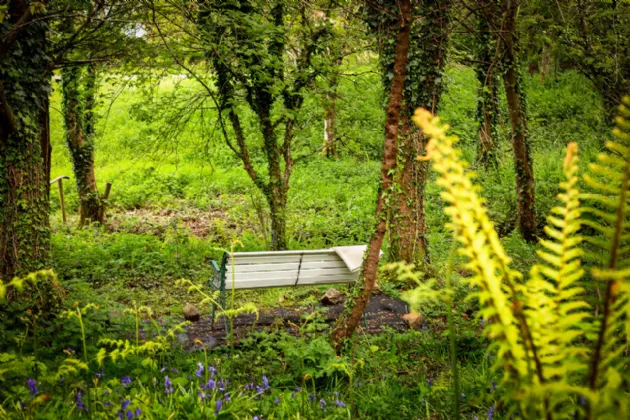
point(381, 311)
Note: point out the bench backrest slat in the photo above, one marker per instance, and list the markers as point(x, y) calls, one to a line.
point(286, 268)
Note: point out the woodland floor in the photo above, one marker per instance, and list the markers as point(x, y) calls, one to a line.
point(381, 312)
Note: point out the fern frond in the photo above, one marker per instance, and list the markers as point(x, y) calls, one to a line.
point(612, 171)
point(556, 311)
point(480, 244)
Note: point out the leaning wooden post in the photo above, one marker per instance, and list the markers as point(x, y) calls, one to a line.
point(104, 197)
point(59, 180)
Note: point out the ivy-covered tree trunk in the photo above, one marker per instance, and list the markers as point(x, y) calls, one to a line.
point(423, 88)
point(77, 108)
point(24, 143)
point(487, 98)
point(355, 306)
point(518, 120)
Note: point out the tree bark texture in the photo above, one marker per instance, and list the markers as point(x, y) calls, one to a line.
point(356, 304)
point(487, 98)
point(25, 146)
point(76, 106)
point(423, 88)
point(518, 120)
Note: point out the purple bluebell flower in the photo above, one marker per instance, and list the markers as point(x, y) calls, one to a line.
point(212, 371)
point(80, 404)
point(276, 401)
point(175, 370)
point(199, 371)
point(260, 390)
point(221, 385)
point(339, 404)
point(21, 405)
point(211, 384)
point(130, 414)
point(107, 404)
point(494, 385)
point(219, 406)
point(265, 381)
point(138, 412)
point(32, 387)
point(227, 398)
point(168, 386)
point(463, 396)
point(311, 397)
point(256, 418)
point(126, 380)
point(125, 404)
point(202, 396)
point(490, 413)
point(100, 374)
point(322, 404)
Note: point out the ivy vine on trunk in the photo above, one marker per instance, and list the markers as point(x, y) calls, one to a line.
point(78, 90)
point(266, 68)
point(24, 142)
point(355, 305)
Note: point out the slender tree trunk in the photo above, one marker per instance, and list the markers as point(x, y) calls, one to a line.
point(277, 204)
point(24, 147)
point(407, 216)
point(408, 241)
point(487, 99)
point(330, 125)
point(518, 119)
point(353, 312)
point(81, 145)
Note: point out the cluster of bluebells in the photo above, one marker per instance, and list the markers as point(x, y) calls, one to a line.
point(260, 389)
point(32, 387)
point(80, 404)
point(126, 413)
point(168, 386)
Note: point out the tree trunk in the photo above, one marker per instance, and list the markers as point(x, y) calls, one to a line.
point(277, 205)
point(24, 147)
point(518, 119)
point(407, 217)
point(487, 99)
point(80, 143)
point(355, 306)
point(330, 125)
point(408, 241)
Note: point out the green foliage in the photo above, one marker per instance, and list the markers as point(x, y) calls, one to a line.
point(542, 329)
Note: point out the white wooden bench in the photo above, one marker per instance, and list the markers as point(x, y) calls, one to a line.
point(255, 270)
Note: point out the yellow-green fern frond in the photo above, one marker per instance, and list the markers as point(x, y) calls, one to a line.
point(496, 281)
point(556, 312)
point(609, 180)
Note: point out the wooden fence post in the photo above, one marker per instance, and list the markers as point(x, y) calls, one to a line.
point(104, 197)
point(59, 180)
